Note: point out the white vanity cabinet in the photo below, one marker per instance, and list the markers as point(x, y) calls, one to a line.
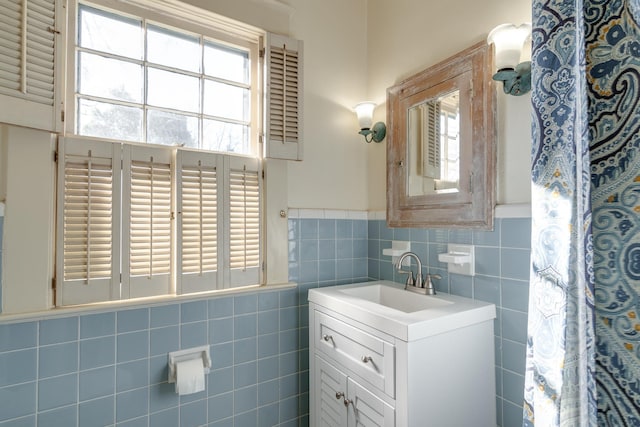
point(372, 366)
point(343, 356)
point(341, 401)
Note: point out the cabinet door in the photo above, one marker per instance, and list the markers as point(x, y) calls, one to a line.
point(368, 410)
point(330, 393)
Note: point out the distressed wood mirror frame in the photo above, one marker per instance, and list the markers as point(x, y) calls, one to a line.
point(472, 206)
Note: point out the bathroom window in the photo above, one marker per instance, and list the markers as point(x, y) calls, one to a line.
point(144, 81)
point(160, 178)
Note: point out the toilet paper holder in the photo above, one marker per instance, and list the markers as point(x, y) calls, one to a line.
point(190, 353)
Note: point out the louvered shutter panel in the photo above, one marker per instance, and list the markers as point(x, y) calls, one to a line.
point(198, 221)
point(245, 228)
point(27, 62)
point(431, 112)
point(284, 98)
point(147, 202)
point(88, 221)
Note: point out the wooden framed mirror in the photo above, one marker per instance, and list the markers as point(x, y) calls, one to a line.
point(441, 141)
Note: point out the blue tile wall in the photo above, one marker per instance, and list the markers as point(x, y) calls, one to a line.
point(502, 271)
point(1, 234)
point(110, 368)
point(325, 252)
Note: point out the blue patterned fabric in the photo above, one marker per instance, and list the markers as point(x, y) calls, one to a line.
point(560, 385)
point(613, 75)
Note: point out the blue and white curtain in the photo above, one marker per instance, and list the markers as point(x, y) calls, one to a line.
point(583, 352)
point(559, 379)
point(613, 76)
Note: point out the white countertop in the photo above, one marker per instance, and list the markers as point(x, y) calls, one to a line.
point(449, 313)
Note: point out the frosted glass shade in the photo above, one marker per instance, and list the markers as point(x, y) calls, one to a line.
point(509, 41)
point(364, 110)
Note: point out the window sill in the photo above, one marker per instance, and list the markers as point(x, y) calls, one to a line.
point(102, 307)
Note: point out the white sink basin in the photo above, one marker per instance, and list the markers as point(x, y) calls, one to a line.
point(388, 307)
point(396, 298)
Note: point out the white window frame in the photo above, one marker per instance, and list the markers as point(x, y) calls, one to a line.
point(180, 17)
point(123, 284)
point(30, 290)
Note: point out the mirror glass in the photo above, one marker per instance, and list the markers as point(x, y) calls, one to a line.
point(441, 144)
point(433, 135)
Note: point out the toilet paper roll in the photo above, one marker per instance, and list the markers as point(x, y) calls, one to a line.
point(189, 376)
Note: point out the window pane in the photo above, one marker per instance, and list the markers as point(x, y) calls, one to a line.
point(172, 129)
point(221, 136)
point(109, 78)
point(110, 33)
point(173, 90)
point(173, 49)
point(106, 120)
point(227, 101)
point(226, 63)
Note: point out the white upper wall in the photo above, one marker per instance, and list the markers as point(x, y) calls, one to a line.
point(270, 15)
point(354, 51)
point(407, 36)
point(333, 174)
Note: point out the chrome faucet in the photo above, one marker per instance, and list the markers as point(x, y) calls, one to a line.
point(416, 283)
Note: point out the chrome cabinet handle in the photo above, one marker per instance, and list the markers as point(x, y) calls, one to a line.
point(327, 337)
point(341, 395)
point(366, 359)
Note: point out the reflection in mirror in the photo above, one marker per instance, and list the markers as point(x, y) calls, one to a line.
point(434, 145)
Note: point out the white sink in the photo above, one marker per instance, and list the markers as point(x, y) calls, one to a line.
point(396, 298)
point(406, 315)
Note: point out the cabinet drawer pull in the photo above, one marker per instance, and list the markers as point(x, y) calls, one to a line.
point(339, 395)
point(327, 337)
point(366, 359)
point(347, 402)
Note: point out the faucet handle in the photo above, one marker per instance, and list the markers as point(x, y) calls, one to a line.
point(428, 284)
point(411, 279)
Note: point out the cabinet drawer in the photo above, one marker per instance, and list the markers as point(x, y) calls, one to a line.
point(370, 357)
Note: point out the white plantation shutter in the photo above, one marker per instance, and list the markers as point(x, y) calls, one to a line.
point(115, 212)
point(430, 122)
point(88, 221)
point(198, 220)
point(245, 257)
point(147, 224)
point(27, 62)
point(284, 98)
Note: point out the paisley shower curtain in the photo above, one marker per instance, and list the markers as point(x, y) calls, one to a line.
point(613, 75)
point(559, 377)
point(583, 348)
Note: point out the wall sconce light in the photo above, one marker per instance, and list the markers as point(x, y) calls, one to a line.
point(364, 110)
point(509, 41)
